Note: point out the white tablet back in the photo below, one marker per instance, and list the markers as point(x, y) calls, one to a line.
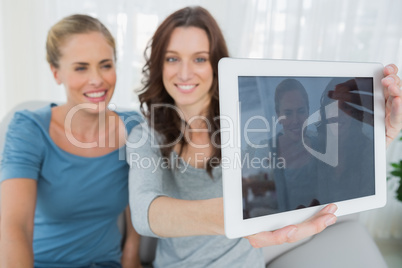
point(297, 135)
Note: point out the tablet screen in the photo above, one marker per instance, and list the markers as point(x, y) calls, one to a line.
point(305, 141)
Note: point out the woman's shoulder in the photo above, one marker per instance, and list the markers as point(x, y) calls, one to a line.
point(29, 119)
point(143, 137)
point(24, 146)
point(29, 129)
point(140, 132)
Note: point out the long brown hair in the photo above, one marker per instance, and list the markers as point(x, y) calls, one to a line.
point(165, 120)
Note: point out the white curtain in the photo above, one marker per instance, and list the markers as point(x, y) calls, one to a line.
point(358, 30)
point(3, 107)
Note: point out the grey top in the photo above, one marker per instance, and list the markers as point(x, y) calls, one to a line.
point(151, 177)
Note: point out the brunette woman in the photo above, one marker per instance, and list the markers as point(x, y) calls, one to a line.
point(175, 179)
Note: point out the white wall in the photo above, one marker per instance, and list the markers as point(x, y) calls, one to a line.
point(359, 30)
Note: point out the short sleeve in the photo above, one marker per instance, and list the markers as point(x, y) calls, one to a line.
point(146, 175)
point(23, 149)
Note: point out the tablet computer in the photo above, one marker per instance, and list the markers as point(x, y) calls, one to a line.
point(297, 135)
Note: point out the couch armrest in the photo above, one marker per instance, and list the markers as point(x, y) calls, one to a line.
point(273, 252)
point(346, 244)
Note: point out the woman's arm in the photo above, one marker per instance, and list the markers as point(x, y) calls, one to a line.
point(170, 217)
point(131, 248)
point(154, 213)
point(18, 200)
point(293, 233)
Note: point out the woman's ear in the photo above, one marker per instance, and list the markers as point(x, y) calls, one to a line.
point(55, 72)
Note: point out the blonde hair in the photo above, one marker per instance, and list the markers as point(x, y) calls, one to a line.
point(68, 26)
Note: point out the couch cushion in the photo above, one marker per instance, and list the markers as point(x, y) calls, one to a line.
point(346, 244)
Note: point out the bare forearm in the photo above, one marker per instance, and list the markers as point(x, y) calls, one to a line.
point(171, 217)
point(18, 200)
point(15, 249)
point(130, 257)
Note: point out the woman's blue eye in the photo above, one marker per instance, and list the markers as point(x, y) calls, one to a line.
point(80, 68)
point(200, 60)
point(171, 59)
point(107, 66)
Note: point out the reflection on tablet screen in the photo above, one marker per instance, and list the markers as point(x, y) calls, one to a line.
point(305, 141)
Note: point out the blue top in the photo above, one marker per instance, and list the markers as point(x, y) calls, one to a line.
point(78, 198)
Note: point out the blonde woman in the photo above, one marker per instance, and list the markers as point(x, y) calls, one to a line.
point(64, 183)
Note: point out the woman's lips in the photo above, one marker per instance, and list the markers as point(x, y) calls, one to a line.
point(96, 96)
point(187, 88)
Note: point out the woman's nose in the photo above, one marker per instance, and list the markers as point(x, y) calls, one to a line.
point(95, 79)
point(185, 72)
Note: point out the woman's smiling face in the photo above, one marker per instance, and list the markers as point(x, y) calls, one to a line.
point(86, 69)
point(187, 70)
point(294, 112)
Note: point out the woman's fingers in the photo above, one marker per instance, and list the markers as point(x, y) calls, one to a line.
point(293, 233)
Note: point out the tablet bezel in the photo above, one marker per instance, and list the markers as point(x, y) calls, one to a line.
point(229, 71)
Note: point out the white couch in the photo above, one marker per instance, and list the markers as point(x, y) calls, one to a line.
point(345, 244)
